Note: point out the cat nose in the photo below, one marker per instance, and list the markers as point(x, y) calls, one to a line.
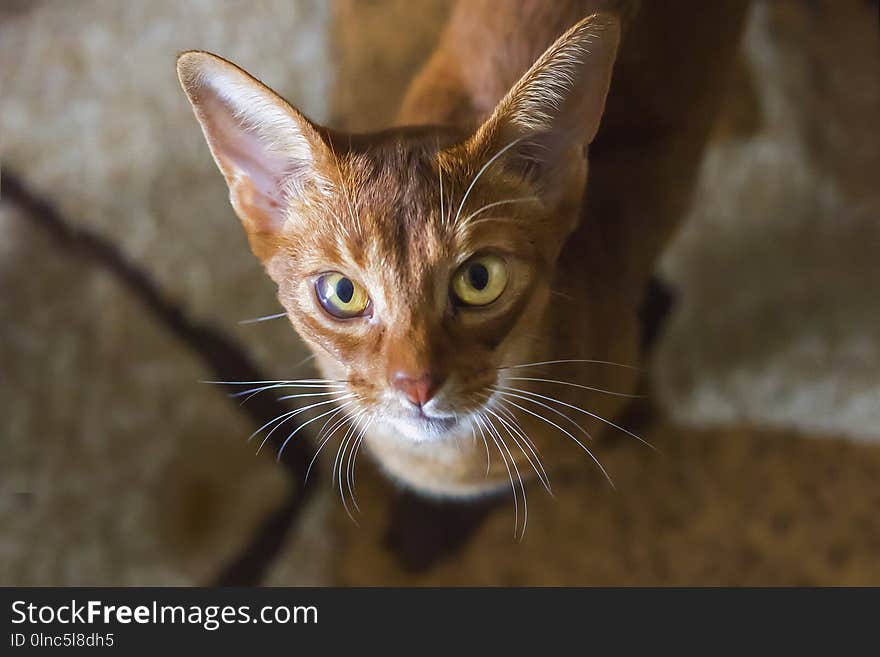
point(418, 389)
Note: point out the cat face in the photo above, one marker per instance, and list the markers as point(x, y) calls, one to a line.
point(418, 261)
point(412, 299)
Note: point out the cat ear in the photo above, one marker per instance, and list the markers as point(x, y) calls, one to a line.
point(266, 150)
point(553, 111)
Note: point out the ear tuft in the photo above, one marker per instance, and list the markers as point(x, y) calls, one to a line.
point(572, 76)
point(555, 108)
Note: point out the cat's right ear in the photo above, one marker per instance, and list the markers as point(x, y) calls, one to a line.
point(267, 150)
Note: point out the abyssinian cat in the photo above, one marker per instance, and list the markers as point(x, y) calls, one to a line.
point(463, 315)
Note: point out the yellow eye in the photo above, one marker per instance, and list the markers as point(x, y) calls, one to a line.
point(480, 280)
point(340, 296)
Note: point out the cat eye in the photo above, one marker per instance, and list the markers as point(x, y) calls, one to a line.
point(480, 280)
point(340, 296)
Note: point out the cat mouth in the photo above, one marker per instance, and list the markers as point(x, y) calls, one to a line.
point(421, 426)
point(437, 423)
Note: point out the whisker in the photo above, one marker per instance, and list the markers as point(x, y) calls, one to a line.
point(291, 413)
point(310, 394)
point(502, 408)
point(329, 420)
point(287, 416)
point(480, 173)
point(570, 435)
point(357, 209)
point(542, 474)
point(571, 360)
point(264, 318)
point(485, 220)
point(338, 462)
point(585, 412)
point(342, 444)
point(519, 478)
point(352, 463)
point(356, 435)
point(549, 408)
point(305, 360)
point(257, 383)
point(256, 391)
point(489, 429)
point(298, 429)
point(345, 436)
point(277, 418)
point(351, 213)
point(339, 423)
point(341, 450)
point(576, 385)
point(483, 435)
point(509, 428)
point(440, 173)
point(489, 206)
point(303, 386)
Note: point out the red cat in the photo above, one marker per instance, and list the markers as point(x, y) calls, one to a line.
point(462, 311)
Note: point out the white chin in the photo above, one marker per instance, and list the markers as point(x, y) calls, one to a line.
point(424, 429)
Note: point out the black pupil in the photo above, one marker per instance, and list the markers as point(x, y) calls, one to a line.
point(344, 290)
point(478, 276)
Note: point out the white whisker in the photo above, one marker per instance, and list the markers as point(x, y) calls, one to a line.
point(570, 435)
point(255, 391)
point(264, 318)
point(440, 172)
point(585, 412)
point(257, 383)
point(310, 394)
point(290, 414)
point(489, 206)
point(541, 473)
point(480, 173)
point(340, 459)
point(519, 478)
point(509, 414)
point(347, 417)
point(483, 435)
point(571, 360)
point(556, 411)
point(299, 428)
point(575, 385)
point(345, 192)
point(281, 417)
point(490, 429)
point(352, 463)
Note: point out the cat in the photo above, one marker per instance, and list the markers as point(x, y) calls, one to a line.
point(461, 310)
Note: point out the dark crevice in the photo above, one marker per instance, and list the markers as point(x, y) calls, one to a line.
point(219, 352)
point(657, 305)
point(423, 531)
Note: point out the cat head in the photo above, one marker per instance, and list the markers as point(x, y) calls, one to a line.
point(417, 261)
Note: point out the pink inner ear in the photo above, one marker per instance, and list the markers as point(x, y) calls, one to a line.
point(255, 172)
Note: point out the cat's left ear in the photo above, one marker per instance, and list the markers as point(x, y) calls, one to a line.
point(267, 150)
point(552, 113)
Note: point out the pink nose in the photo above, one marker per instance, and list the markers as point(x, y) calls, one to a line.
point(418, 390)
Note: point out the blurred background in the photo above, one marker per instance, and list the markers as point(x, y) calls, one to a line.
point(118, 467)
